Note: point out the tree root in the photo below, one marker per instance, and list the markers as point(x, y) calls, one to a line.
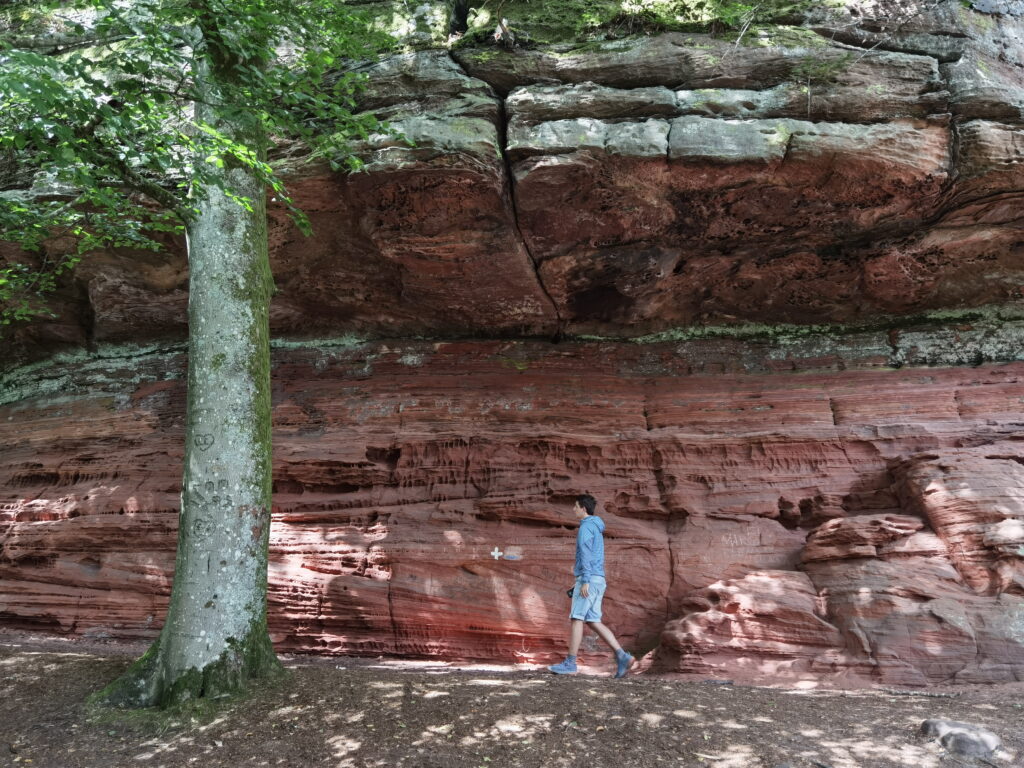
point(146, 683)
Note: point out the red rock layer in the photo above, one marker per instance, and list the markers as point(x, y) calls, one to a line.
point(636, 186)
point(860, 523)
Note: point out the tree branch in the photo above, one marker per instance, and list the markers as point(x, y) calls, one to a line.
point(151, 189)
point(56, 44)
point(132, 178)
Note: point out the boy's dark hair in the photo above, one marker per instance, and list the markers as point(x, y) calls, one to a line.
point(588, 502)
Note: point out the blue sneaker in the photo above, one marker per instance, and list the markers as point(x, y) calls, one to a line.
point(625, 661)
point(566, 667)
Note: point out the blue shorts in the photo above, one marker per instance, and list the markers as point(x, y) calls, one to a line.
point(588, 608)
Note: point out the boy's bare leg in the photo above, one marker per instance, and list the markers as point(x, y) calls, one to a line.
point(575, 636)
point(603, 632)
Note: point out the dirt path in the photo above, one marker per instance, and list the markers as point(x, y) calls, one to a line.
point(355, 713)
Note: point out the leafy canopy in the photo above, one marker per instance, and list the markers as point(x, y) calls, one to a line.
point(101, 143)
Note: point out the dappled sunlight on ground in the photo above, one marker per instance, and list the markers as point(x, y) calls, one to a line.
point(733, 756)
point(369, 714)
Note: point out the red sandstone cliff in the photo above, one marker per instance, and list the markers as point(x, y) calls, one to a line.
point(641, 185)
point(841, 500)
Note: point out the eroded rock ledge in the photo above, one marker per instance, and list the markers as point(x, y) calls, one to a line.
point(818, 175)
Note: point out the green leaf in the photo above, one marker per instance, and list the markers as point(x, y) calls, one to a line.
point(117, 120)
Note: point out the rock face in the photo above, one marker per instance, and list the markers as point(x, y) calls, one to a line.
point(762, 298)
point(852, 520)
point(862, 169)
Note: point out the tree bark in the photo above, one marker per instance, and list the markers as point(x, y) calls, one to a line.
point(215, 636)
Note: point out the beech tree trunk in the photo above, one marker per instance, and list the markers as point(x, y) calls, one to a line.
point(215, 635)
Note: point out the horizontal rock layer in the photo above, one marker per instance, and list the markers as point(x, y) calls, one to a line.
point(835, 518)
point(861, 169)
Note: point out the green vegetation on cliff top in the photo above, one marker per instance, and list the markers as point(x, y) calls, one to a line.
point(573, 20)
point(427, 24)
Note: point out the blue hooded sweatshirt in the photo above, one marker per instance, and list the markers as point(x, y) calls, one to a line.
point(589, 549)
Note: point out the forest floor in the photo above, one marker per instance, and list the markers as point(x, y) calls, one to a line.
point(352, 713)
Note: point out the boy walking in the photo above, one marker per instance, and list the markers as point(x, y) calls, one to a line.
point(589, 589)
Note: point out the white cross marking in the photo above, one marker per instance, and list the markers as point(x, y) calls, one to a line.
point(497, 553)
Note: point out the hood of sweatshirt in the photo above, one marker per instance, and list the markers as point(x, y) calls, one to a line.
point(593, 520)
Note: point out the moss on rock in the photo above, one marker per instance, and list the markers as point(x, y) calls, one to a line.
point(411, 25)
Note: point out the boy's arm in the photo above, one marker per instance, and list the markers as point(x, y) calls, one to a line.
point(587, 556)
